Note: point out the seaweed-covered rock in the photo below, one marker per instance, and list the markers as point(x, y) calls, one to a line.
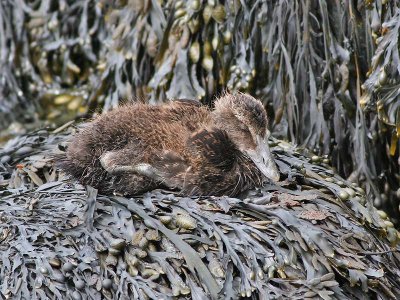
point(324, 59)
point(312, 236)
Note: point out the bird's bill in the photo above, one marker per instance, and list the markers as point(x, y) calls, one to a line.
point(263, 159)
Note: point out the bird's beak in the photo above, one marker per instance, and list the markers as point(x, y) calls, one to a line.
point(263, 159)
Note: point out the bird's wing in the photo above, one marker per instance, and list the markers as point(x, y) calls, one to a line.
point(214, 147)
point(172, 169)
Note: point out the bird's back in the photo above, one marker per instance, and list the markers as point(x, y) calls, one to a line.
point(140, 133)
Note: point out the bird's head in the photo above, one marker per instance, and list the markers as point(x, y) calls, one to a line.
point(245, 120)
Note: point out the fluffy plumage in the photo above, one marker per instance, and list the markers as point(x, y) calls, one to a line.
point(180, 145)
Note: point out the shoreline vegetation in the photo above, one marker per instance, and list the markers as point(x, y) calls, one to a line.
point(327, 73)
point(312, 235)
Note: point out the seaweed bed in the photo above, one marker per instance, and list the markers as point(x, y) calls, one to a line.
point(328, 71)
point(312, 236)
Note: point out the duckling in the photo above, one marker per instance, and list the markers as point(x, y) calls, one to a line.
point(180, 145)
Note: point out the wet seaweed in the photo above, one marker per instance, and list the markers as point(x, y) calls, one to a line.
point(314, 235)
point(328, 71)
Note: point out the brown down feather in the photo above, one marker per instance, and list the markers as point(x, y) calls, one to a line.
point(194, 150)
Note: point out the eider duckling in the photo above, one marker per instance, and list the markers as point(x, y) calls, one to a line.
point(180, 145)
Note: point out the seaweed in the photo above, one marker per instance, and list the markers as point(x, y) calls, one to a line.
point(327, 71)
point(314, 235)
